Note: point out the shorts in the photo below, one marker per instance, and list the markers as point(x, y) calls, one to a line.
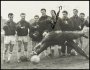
point(22, 38)
point(9, 39)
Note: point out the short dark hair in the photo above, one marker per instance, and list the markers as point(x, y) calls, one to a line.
point(43, 9)
point(65, 12)
point(10, 14)
point(75, 9)
point(22, 14)
point(54, 11)
point(82, 14)
point(36, 16)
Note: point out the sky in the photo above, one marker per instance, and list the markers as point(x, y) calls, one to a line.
point(32, 8)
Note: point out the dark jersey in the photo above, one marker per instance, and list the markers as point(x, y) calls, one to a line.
point(43, 25)
point(75, 20)
point(57, 24)
point(9, 28)
point(22, 28)
point(84, 23)
point(66, 24)
point(43, 18)
point(35, 30)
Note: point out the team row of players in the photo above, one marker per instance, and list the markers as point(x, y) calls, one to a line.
point(38, 29)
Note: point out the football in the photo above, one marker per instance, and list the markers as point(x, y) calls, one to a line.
point(35, 59)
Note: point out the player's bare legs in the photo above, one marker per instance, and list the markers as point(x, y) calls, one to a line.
point(63, 48)
point(33, 45)
point(19, 50)
point(5, 51)
point(25, 48)
point(52, 51)
point(59, 50)
point(10, 52)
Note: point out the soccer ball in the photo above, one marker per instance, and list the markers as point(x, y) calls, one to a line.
point(35, 59)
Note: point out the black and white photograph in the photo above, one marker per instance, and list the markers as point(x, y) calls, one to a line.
point(45, 34)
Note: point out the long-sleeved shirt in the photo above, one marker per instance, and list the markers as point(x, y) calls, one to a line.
point(10, 28)
point(66, 24)
point(75, 20)
point(22, 28)
point(44, 23)
point(35, 30)
point(44, 18)
point(84, 23)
